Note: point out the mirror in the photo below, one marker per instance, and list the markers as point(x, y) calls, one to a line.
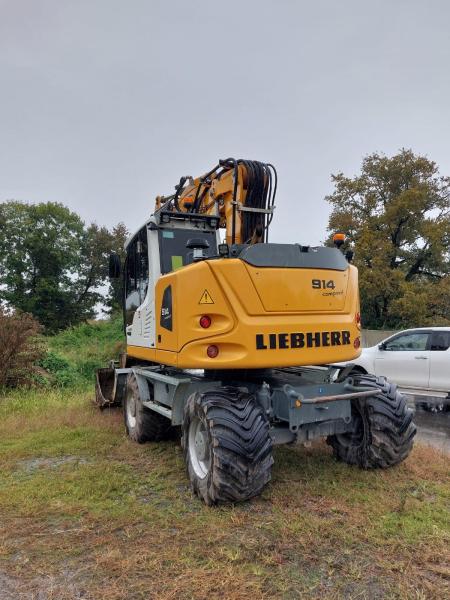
point(114, 266)
point(381, 346)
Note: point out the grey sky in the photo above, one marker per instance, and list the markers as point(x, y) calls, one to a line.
point(104, 103)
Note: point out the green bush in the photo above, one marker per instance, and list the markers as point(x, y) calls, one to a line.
point(62, 372)
point(53, 363)
point(75, 354)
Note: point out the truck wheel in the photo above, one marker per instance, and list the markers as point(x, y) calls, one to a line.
point(141, 423)
point(433, 407)
point(384, 429)
point(227, 445)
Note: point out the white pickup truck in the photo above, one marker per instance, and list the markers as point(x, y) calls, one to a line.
point(418, 360)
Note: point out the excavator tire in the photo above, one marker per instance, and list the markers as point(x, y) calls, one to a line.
point(142, 424)
point(384, 428)
point(227, 445)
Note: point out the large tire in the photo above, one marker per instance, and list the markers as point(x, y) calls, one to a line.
point(142, 424)
point(227, 445)
point(384, 429)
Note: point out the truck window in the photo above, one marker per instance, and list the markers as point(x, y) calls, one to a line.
point(440, 341)
point(408, 342)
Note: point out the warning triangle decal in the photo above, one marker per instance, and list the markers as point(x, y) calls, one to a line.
point(206, 298)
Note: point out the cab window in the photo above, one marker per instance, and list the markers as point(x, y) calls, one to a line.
point(408, 342)
point(173, 251)
point(136, 274)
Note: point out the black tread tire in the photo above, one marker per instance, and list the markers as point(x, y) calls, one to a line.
point(238, 442)
point(386, 429)
point(150, 426)
point(357, 371)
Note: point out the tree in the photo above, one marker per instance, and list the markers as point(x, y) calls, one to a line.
point(396, 215)
point(51, 264)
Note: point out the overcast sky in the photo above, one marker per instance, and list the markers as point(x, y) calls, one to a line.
point(105, 103)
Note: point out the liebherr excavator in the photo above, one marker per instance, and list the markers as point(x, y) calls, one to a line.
point(221, 327)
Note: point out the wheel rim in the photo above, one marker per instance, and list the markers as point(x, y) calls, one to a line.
point(131, 411)
point(199, 453)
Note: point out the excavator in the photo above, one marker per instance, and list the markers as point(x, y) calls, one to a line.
point(230, 338)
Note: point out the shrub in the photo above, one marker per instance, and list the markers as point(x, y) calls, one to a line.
point(61, 372)
point(21, 348)
point(76, 353)
point(53, 363)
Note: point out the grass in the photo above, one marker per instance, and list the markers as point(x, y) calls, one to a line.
point(85, 513)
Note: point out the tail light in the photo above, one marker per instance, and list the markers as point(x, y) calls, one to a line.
point(212, 351)
point(205, 321)
point(357, 343)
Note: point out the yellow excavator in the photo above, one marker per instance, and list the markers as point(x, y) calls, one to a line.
point(230, 337)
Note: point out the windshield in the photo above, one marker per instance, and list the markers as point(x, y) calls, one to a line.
point(173, 251)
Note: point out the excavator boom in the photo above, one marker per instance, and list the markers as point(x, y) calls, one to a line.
point(241, 193)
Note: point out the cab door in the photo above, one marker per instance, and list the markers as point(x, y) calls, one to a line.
point(405, 359)
point(136, 289)
point(440, 361)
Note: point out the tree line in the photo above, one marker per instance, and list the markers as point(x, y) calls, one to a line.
point(395, 214)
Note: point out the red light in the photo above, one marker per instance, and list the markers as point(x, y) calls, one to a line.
point(357, 343)
point(212, 351)
point(358, 318)
point(205, 321)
